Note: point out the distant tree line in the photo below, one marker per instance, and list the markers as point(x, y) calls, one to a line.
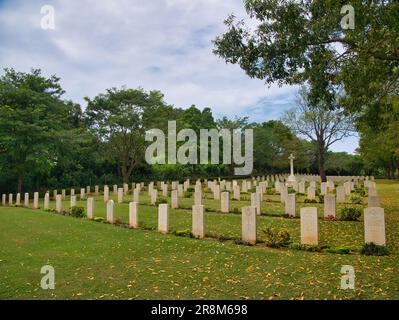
point(48, 142)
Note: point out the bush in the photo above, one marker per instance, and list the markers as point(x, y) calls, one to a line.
point(306, 247)
point(307, 200)
point(277, 239)
point(350, 214)
point(338, 250)
point(291, 190)
point(190, 189)
point(160, 200)
point(270, 191)
point(356, 198)
point(183, 233)
point(360, 190)
point(188, 194)
point(372, 249)
point(77, 212)
point(321, 198)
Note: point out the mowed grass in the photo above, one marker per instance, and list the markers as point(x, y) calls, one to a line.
point(101, 261)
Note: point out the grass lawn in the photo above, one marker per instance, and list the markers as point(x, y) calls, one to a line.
point(101, 261)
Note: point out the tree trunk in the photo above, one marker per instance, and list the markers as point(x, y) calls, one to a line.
point(20, 182)
point(321, 158)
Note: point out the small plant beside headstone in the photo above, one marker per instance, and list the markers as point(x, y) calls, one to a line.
point(277, 238)
point(350, 214)
point(372, 249)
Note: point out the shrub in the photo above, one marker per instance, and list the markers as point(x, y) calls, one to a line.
point(188, 194)
point(190, 189)
point(350, 214)
point(236, 210)
point(160, 200)
point(183, 233)
point(291, 190)
point(277, 239)
point(372, 249)
point(118, 220)
point(338, 250)
point(306, 247)
point(77, 212)
point(356, 198)
point(360, 190)
point(307, 200)
point(270, 191)
point(321, 198)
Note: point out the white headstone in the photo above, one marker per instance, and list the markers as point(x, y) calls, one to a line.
point(46, 201)
point(309, 226)
point(106, 193)
point(120, 195)
point(329, 205)
point(36, 200)
point(26, 200)
point(374, 226)
point(163, 218)
point(175, 199)
point(290, 205)
point(198, 227)
point(58, 203)
point(73, 201)
point(225, 202)
point(133, 214)
point(249, 225)
point(90, 208)
point(110, 211)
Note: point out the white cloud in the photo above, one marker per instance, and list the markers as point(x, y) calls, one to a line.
point(157, 44)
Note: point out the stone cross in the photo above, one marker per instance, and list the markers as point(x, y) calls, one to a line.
point(292, 158)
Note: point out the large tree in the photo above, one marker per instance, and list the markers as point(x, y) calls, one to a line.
point(32, 123)
point(319, 123)
point(119, 118)
point(297, 42)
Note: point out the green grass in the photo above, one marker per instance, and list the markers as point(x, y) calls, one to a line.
point(101, 261)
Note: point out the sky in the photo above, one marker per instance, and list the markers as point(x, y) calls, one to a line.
point(161, 45)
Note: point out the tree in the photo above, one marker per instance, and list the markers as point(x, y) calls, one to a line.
point(119, 118)
point(319, 123)
point(274, 143)
point(32, 122)
point(298, 42)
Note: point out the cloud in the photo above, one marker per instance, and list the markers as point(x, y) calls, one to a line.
point(158, 44)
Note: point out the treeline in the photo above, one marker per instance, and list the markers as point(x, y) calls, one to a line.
point(47, 142)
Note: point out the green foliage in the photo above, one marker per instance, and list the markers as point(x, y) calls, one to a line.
point(183, 233)
point(277, 238)
point(306, 247)
point(338, 250)
point(356, 198)
point(321, 198)
point(188, 194)
point(77, 212)
point(160, 201)
point(307, 200)
point(350, 214)
point(372, 249)
point(98, 219)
